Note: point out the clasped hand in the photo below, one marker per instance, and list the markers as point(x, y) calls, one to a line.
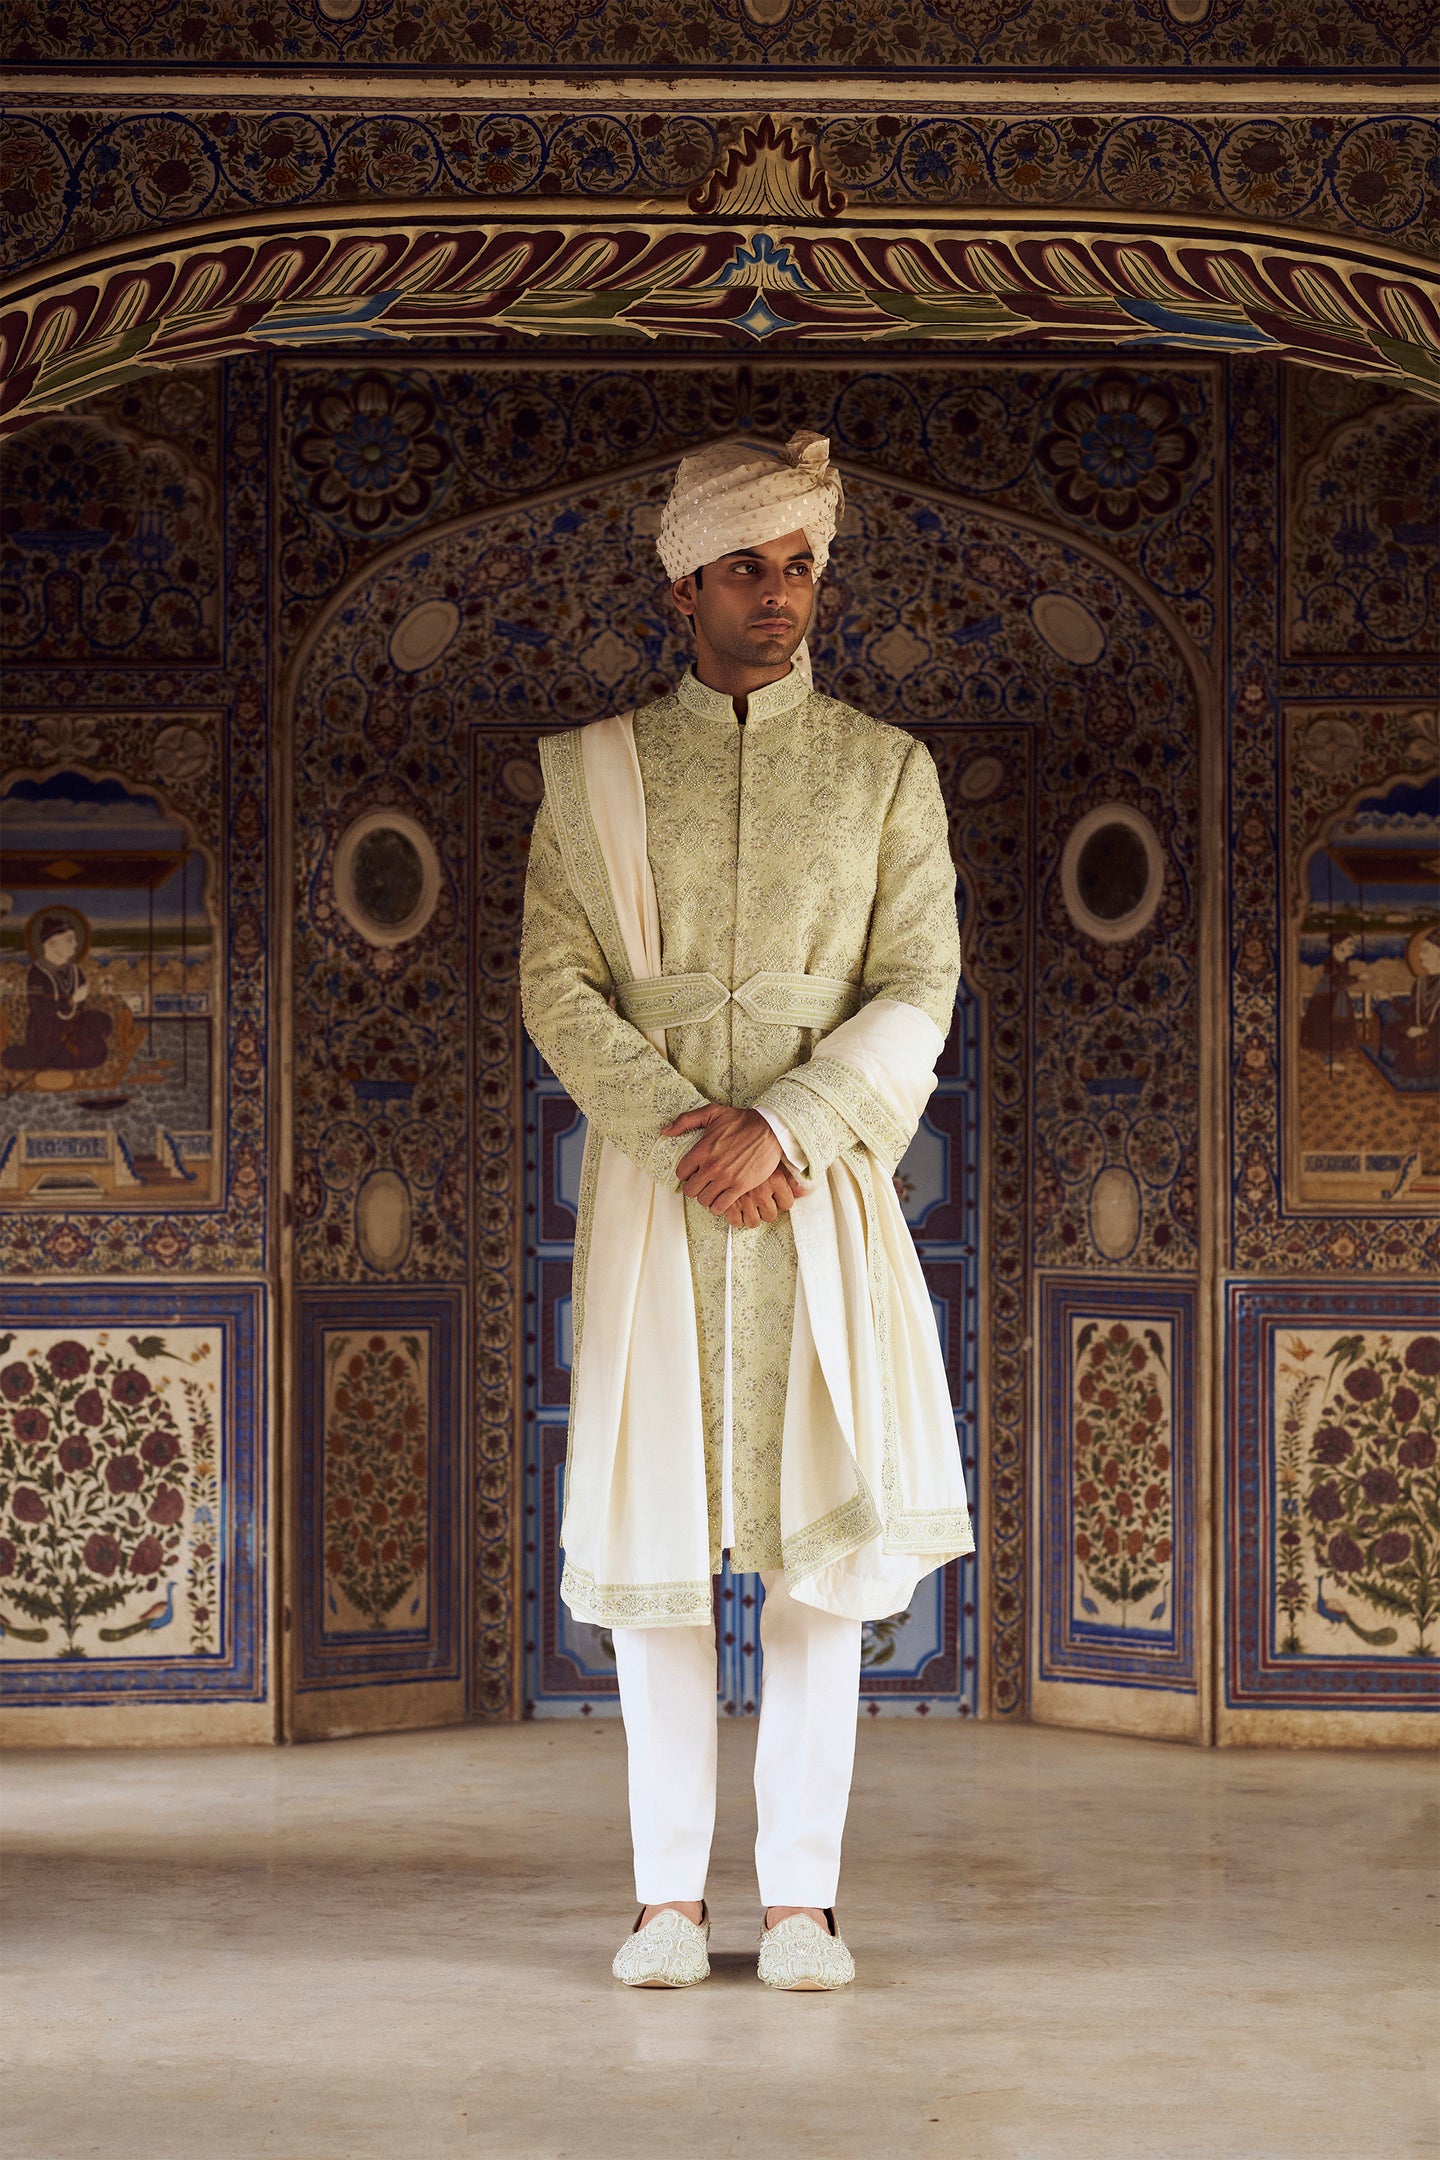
point(736, 1169)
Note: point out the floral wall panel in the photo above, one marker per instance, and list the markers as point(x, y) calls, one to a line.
point(112, 542)
point(132, 1495)
point(1332, 1595)
point(1361, 1002)
point(134, 1081)
point(382, 1520)
point(1117, 1470)
point(1362, 517)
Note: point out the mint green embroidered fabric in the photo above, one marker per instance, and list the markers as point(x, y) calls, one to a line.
point(809, 843)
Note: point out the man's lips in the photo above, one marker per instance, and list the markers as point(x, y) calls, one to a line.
point(773, 622)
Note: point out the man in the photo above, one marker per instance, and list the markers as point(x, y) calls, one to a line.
point(740, 957)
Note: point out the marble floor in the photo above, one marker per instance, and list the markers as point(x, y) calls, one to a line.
point(1070, 1948)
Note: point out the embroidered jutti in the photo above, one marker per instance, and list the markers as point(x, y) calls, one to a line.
point(747, 915)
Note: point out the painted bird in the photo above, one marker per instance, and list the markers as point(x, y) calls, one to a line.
point(152, 1346)
point(154, 1616)
point(1338, 1617)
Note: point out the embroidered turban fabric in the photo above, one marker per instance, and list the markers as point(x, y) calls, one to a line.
point(733, 495)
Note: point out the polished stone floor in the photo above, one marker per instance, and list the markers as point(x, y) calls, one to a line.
point(1070, 1948)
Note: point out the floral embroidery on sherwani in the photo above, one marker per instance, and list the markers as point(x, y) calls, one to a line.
point(812, 840)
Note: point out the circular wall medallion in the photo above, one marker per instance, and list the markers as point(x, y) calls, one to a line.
point(1115, 1213)
point(1068, 627)
point(1330, 744)
point(387, 876)
point(1112, 873)
point(180, 753)
point(382, 1220)
point(421, 636)
point(980, 778)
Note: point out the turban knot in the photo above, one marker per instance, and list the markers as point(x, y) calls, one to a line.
point(733, 495)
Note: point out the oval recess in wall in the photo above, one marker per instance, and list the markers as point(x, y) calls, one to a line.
point(387, 876)
point(980, 778)
point(1115, 1213)
point(420, 637)
point(1112, 873)
point(382, 1221)
point(1068, 627)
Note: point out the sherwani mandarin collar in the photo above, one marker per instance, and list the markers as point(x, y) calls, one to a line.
point(762, 704)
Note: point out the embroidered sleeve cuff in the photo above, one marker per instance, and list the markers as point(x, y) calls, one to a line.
point(815, 1131)
point(828, 1095)
point(661, 1155)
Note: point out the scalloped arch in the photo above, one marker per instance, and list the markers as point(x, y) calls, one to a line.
point(951, 278)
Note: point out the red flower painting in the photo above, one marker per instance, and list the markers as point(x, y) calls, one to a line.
point(90, 1506)
point(376, 1471)
point(1372, 1505)
point(1124, 1534)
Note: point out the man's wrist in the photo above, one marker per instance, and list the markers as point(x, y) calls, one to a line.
point(791, 1152)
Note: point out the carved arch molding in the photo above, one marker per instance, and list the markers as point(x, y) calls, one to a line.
point(763, 254)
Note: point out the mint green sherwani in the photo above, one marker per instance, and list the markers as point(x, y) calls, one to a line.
point(809, 841)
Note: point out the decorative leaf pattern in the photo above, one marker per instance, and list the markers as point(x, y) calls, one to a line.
point(376, 1473)
point(1372, 1502)
point(1124, 1518)
point(529, 37)
point(109, 1496)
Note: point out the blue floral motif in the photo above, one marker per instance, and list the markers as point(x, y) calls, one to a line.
point(372, 453)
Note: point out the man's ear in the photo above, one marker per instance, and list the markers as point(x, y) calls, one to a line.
point(682, 592)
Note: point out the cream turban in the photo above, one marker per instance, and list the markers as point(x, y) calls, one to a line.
point(733, 495)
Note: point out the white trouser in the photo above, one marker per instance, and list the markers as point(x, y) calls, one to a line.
point(804, 1753)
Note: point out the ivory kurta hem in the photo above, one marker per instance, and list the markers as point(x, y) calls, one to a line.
point(801, 863)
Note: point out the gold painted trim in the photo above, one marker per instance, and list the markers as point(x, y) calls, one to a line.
point(812, 92)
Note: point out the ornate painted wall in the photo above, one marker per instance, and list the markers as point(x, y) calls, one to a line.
point(136, 1072)
point(1036, 576)
point(527, 37)
point(1333, 752)
point(1012, 653)
point(75, 179)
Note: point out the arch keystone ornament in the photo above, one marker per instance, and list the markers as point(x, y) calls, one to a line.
point(768, 174)
point(774, 253)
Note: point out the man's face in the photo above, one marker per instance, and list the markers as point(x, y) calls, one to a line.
point(752, 608)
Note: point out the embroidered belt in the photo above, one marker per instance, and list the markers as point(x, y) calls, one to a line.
point(806, 1001)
